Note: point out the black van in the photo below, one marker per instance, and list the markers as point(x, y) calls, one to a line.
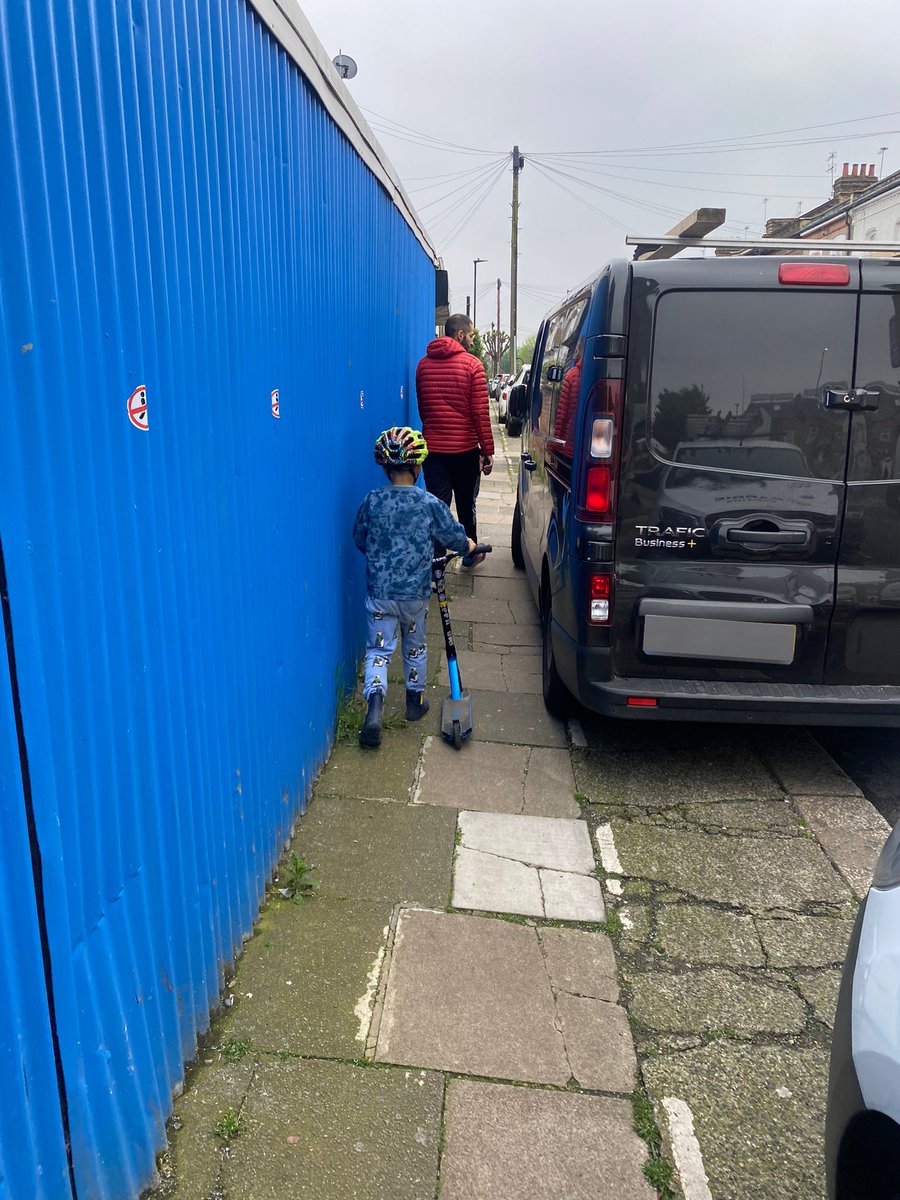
point(708, 503)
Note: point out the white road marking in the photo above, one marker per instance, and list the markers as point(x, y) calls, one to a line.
point(614, 886)
point(609, 856)
point(363, 1008)
point(576, 733)
point(686, 1150)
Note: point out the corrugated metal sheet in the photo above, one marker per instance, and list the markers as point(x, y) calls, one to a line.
point(179, 214)
point(32, 1146)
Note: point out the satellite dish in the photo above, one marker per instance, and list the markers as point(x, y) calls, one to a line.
point(346, 67)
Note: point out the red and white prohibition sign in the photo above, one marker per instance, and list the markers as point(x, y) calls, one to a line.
point(137, 408)
point(276, 405)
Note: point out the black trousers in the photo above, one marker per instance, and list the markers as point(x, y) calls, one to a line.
point(456, 476)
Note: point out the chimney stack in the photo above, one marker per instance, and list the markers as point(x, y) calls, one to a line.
point(851, 183)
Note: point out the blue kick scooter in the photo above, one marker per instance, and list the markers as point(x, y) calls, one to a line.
point(456, 709)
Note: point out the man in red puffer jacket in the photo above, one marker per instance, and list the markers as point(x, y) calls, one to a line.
point(451, 388)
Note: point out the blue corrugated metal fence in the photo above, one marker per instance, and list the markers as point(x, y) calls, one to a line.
point(179, 215)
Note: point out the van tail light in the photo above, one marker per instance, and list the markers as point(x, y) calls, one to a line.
point(641, 702)
point(815, 274)
point(600, 599)
point(600, 468)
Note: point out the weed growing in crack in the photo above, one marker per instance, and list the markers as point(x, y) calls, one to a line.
point(229, 1125)
point(296, 879)
point(657, 1170)
point(233, 1050)
point(351, 713)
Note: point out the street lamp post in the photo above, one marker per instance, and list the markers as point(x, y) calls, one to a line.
point(476, 261)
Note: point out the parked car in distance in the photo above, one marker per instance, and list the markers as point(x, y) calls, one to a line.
point(514, 427)
point(499, 381)
point(862, 1123)
point(708, 491)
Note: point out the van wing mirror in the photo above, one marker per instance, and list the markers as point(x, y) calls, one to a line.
point(517, 401)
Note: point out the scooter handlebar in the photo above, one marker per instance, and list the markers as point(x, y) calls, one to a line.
point(480, 548)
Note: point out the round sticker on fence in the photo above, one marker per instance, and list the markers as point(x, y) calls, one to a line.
point(137, 408)
point(276, 406)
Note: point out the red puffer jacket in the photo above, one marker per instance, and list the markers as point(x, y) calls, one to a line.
point(451, 388)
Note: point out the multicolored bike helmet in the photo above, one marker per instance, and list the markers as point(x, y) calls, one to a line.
point(400, 447)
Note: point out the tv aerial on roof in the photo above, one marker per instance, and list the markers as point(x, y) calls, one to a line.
point(346, 67)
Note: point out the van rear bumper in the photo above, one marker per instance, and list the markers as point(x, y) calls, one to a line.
point(744, 703)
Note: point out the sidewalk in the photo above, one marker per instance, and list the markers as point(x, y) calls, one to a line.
point(450, 1015)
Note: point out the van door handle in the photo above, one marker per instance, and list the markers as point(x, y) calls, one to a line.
point(528, 463)
point(768, 537)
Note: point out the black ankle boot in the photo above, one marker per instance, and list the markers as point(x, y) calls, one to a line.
point(370, 734)
point(416, 705)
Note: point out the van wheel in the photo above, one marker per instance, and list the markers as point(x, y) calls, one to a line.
point(515, 543)
point(557, 698)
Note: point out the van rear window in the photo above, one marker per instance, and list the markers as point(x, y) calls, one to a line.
point(736, 380)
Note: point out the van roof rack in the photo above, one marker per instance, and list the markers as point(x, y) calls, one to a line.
point(646, 245)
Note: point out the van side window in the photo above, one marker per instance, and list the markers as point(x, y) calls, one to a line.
point(736, 381)
point(875, 435)
point(544, 384)
point(569, 362)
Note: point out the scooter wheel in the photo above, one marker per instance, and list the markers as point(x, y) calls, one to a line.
point(457, 736)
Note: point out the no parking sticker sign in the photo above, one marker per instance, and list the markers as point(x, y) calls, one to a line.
point(137, 408)
point(276, 405)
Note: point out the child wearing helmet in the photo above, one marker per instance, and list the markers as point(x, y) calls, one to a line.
point(396, 528)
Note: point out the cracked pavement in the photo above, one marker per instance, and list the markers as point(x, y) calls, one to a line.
point(510, 941)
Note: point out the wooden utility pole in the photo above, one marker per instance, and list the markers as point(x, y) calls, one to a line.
point(518, 162)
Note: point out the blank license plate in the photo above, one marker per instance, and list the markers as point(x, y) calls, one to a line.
point(734, 641)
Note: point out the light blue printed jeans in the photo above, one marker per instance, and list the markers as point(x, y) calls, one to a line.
point(384, 618)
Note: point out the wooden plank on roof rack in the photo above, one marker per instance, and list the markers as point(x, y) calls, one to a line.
point(697, 225)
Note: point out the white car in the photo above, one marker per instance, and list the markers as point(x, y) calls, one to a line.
point(862, 1125)
point(507, 386)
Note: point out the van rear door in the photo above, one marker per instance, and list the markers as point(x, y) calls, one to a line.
point(865, 634)
point(732, 474)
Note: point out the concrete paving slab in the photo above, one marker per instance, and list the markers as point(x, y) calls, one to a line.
point(383, 774)
point(521, 675)
point(796, 941)
point(326, 1131)
point(561, 845)
point(524, 610)
point(569, 897)
point(506, 588)
point(378, 850)
point(580, 963)
point(492, 884)
point(550, 785)
point(193, 1162)
point(507, 634)
point(497, 565)
point(699, 1001)
point(472, 995)
point(520, 720)
point(512, 1143)
point(851, 831)
point(758, 1115)
point(598, 1043)
point(484, 776)
point(489, 612)
point(660, 780)
point(479, 670)
point(693, 933)
point(821, 991)
point(800, 764)
point(747, 872)
point(302, 975)
point(775, 815)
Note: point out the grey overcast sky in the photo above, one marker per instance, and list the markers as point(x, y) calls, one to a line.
point(586, 88)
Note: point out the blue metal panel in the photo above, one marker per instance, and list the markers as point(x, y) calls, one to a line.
point(179, 213)
point(32, 1146)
